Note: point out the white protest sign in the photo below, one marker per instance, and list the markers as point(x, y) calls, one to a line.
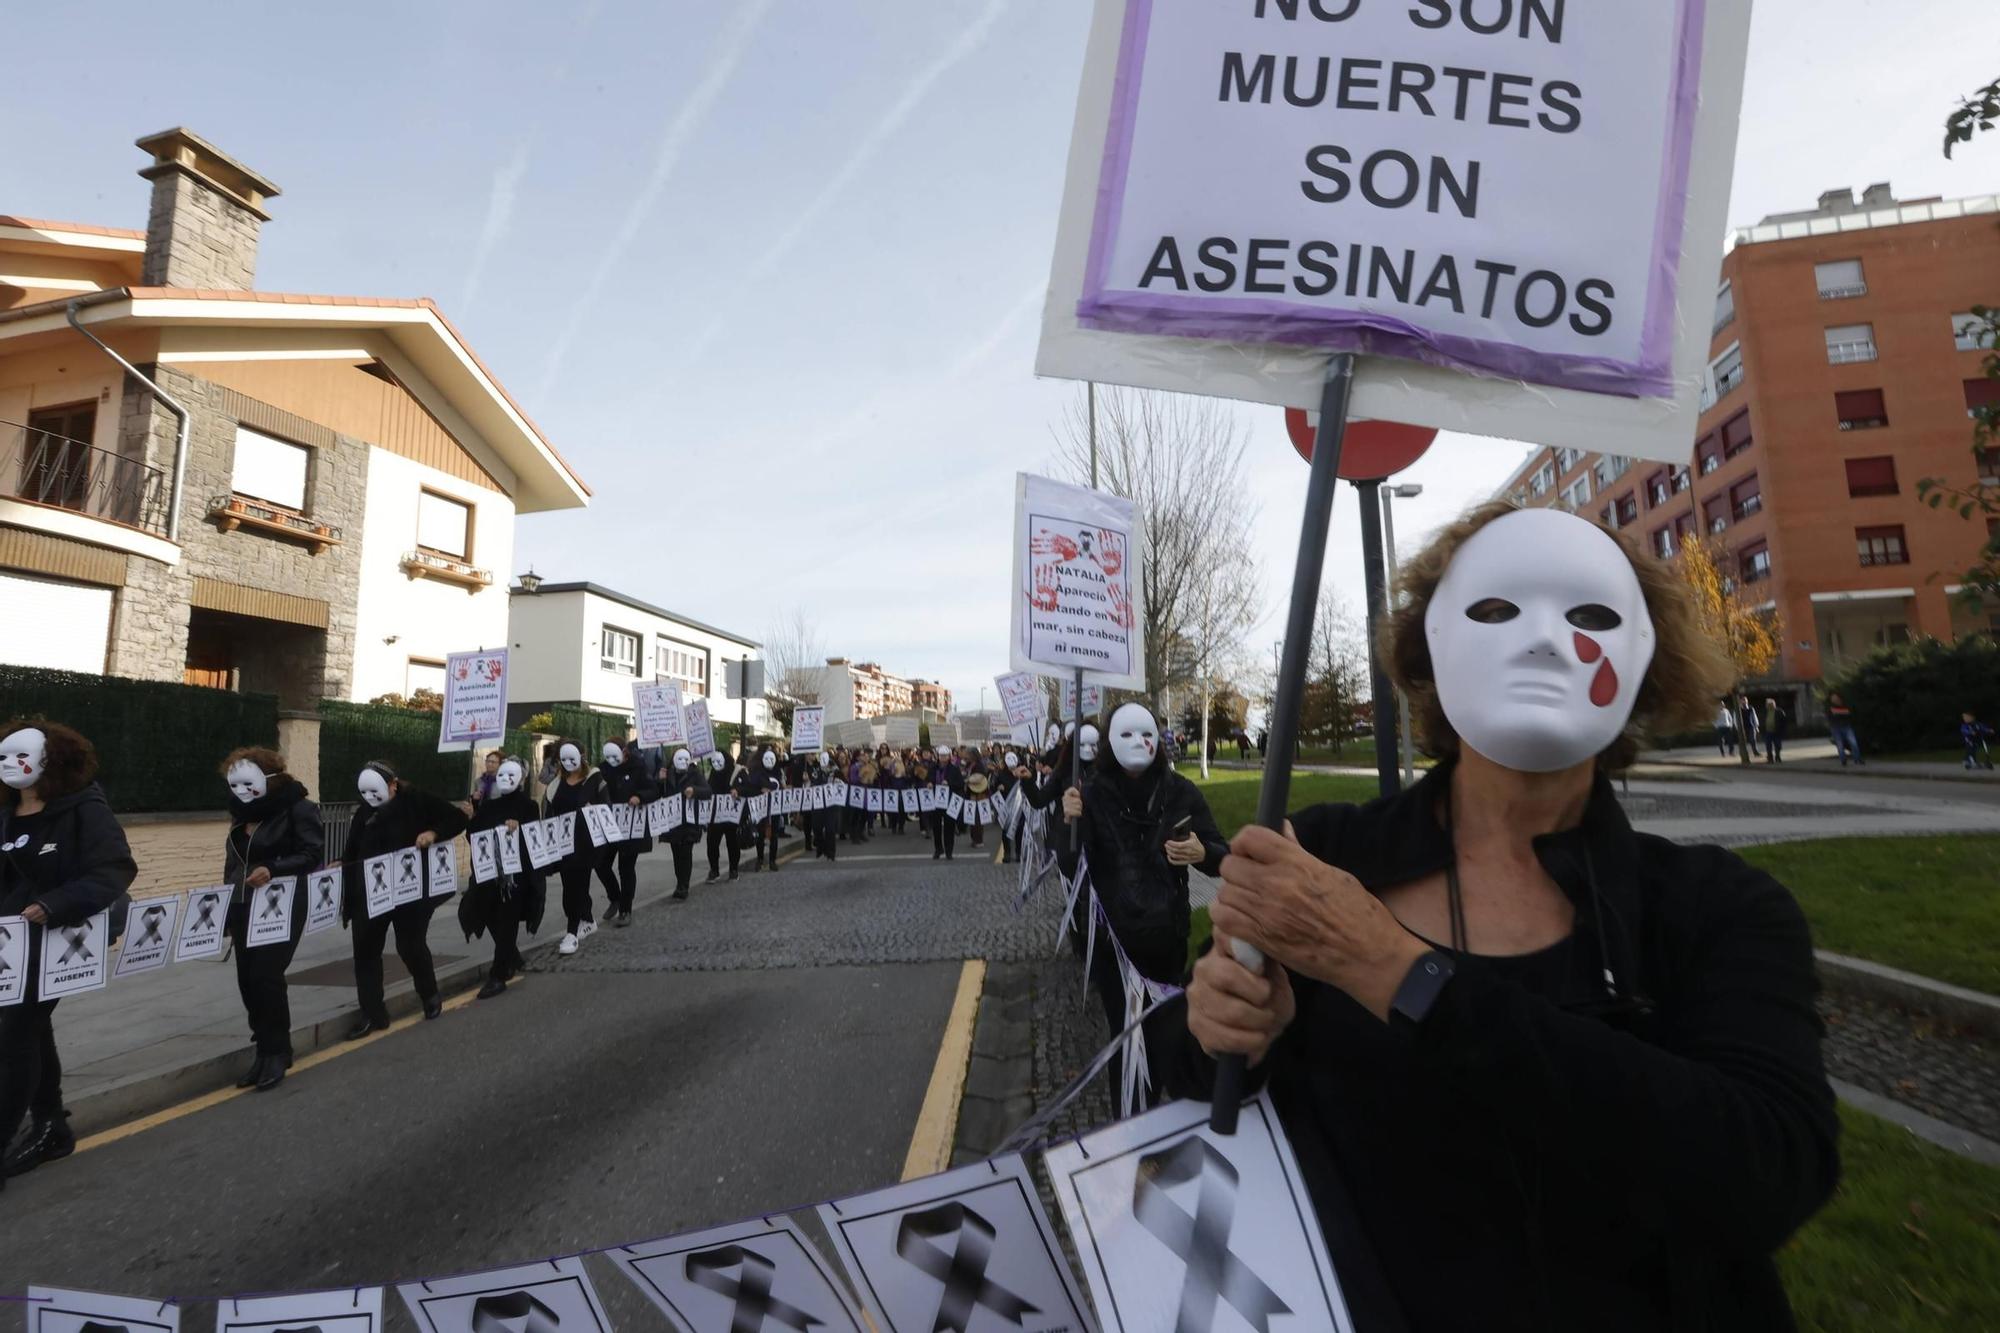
point(1077, 599)
point(565, 831)
point(378, 875)
point(55, 1310)
point(537, 1298)
point(542, 843)
point(1173, 1223)
point(926, 800)
point(508, 842)
point(13, 959)
point(485, 845)
point(441, 868)
point(700, 736)
point(758, 1274)
point(656, 713)
point(202, 924)
point(808, 728)
point(406, 876)
point(910, 806)
point(935, 1253)
point(857, 797)
point(873, 796)
point(323, 889)
point(270, 913)
point(1021, 697)
point(956, 809)
point(348, 1310)
point(475, 699)
point(728, 809)
point(673, 814)
point(760, 809)
point(837, 791)
point(704, 812)
point(149, 936)
point(1093, 700)
point(594, 823)
point(1523, 204)
point(75, 958)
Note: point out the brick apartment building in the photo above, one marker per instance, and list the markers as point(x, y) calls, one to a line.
point(854, 690)
point(1842, 373)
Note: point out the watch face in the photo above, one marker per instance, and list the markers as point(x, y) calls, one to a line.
point(1422, 985)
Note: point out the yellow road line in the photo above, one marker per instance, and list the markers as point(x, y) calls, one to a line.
point(299, 1066)
point(937, 1122)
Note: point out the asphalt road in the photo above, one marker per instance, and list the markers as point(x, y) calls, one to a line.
point(767, 1044)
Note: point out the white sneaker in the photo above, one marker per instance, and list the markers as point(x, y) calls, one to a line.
point(585, 930)
point(568, 945)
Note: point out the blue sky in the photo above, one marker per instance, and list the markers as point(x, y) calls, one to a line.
point(769, 272)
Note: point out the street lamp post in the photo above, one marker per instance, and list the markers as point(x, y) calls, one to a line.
point(1407, 491)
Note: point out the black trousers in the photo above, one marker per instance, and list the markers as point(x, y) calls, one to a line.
point(826, 833)
point(260, 980)
point(503, 923)
point(944, 833)
point(411, 922)
point(718, 834)
point(30, 1069)
point(626, 855)
point(764, 837)
point(576, 891)
point(606, 866)
point(683, 862)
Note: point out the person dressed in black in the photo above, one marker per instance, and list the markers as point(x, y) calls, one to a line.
point(823, 823)
point(507, 900)
point(944, 829)
point(63, 859)
point(274, 834)
point(1540, 1071)
point(722, 782)
point(1142, 826)
point(765, 780)
point(683, 779)
point(576, 786)
point(392, 815)
point(626, 784)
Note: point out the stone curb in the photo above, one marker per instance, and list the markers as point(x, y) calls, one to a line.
point(1974, 1011)
point(1971, 778)
point(999, 1081)
point(1927, 1127)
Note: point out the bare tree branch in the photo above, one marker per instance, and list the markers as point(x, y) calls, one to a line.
point(793, 657)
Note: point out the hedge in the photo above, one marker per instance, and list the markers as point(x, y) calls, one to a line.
point(350, 735)
point(158, 743)
point(1908, 696)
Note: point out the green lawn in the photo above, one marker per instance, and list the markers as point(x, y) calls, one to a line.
point(1926, 905)
point(1232, 793)
point(1910, 1242)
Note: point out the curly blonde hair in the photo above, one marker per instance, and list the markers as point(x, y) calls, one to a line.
point(1688, 673)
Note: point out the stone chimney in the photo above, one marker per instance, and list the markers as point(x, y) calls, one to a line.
point(207, 210)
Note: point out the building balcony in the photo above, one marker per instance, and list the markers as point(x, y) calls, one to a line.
point(65, 474)
point(231, 512)
point(1851, 352)
point(444, 569)
point(1844, 292)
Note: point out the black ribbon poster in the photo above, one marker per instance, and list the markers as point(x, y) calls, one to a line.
point(550, 1297)
point(763, 1274)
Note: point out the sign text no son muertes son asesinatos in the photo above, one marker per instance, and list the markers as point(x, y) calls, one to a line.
point(1077, 596)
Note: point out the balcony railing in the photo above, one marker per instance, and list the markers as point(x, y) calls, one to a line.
point(429, 565)
point(1841, 293)
point(1848, 353)
point(71, 474)
point(1748, 507)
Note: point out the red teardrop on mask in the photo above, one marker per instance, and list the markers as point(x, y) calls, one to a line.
point(1587, 649)
point(1604, 685)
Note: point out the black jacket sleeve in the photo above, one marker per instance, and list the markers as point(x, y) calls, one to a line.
point(103, 869)
point(306, 847)
point(442, 819)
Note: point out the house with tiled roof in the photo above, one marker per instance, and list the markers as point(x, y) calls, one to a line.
point(310, 496)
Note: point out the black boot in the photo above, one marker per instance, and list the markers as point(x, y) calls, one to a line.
point(433, 1006)
point(253, 1073)
point(274, 1072)
point(363, 1027)
point(46, 1141)
point(495, 985)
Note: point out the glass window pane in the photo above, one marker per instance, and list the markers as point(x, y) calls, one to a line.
point(269, 469)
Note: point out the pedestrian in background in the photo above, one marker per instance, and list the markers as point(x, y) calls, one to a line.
point(1975, 734)
point(63, 859)
point(1840, 722)
point(1725, 729)
point(482, 786)
point(274, 833)
point(1776, 720)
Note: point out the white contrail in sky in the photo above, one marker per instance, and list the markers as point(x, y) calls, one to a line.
point(730, 48)
point(968, 40)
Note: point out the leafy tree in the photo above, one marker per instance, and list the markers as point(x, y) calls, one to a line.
point(1976, 113)
point(1748, 637)
point(1908, 696)
point(421, 701)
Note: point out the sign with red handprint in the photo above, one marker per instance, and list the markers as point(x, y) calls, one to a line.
point(475, 699)
point(1078, 597)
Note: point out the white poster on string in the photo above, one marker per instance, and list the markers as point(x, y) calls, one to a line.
point(656, 713)
point(1078, 599)
point(323, 890)
point(57, 1310)
point(536, 1298)
point(759, 1274)
point(347, 1310)
point(202, 924)
point(149, 936)
point(270, 912)
point(13, 959)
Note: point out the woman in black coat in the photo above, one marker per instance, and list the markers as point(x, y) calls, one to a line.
point(274, 834)
point(507, 900)
point(392, 815)
point(626, 784)
point(682, 777)
point(576, 786)
point(63, 859)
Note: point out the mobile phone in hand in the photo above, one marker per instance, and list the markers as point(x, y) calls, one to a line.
point(1180, 830)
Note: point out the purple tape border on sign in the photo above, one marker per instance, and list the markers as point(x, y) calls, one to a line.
point(1250, 320)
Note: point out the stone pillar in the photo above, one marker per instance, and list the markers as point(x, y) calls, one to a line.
point(298, 741)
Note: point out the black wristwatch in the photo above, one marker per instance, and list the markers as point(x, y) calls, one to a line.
point(1422, 985)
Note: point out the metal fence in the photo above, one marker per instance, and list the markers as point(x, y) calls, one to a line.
point(71, 474)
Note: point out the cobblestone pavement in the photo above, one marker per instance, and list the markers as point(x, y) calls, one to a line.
point(1914, 1059)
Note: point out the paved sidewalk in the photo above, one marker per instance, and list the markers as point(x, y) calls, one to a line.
point(1819, 756)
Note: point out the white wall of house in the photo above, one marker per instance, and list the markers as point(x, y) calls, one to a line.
point(427, 618)
point(543, 634)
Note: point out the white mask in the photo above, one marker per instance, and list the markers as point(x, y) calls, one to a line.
point(570, 758)
point(716, 761)
point(21, 757)
point(247, 782)
point(507, 779)
point(1086, 743)
point(770, 760)
point(681, 761)
point(1539, 639)
point(614, 754)
point(1135, 738)
point(825, 758)
point(374, 788)
point(1011, 760)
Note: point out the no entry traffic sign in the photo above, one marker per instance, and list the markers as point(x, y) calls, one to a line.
point(1369, 451)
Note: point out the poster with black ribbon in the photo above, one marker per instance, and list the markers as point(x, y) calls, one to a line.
point(202, 923)
point(59, 1310)
point(760, 1274)
point(1181, 1228)
point(323, 900)
point(13, 959)
point(970, 1250)
point(554, 1296)
point(149, 936)
point(75, 959)
point(348, 1310)
point(270, 910)
point(441, 869)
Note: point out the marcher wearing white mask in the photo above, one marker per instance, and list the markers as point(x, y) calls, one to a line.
point(274, 833)
point(1142, 825)
point(626, 784)
point(505, 903)
point(1598, 1048)
point(684, 778)
point(722, 782)
point(766, 779)
point(577, 784)
point(392, 815)
point(63, 859)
